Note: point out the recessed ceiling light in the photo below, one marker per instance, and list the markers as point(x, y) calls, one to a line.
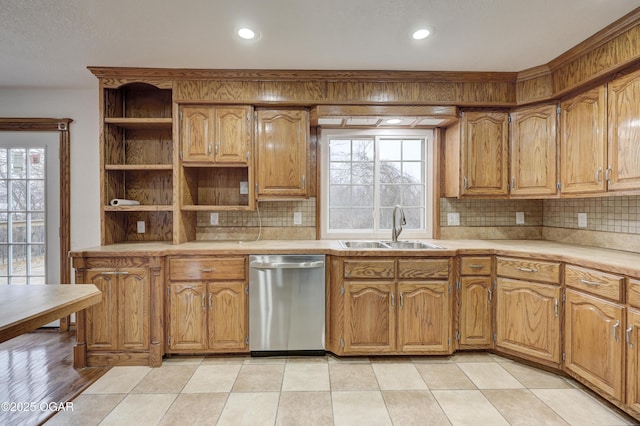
point(247, 33)
point(393, 121)
point(421, 34)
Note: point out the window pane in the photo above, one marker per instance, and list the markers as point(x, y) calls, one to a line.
point(362, 218)
point(414, 217)
point(18, 163)
point(412, 172)
point(340, 173)
point(412, 195)
point(389, 195)
point(18, 230)
point(36, 194)
point(340, 150)
point(362, 173)
point(362, 196)
point(363, 150)
point(339, 219)
point(3, 195)
point(19, 259)
point(36, 163)
point(339, 196)
point(37, 228)
point(390, 150)
point(412, 150)
point(4, 172)
point(390, 172)
point(37, 259)
point(18, 195)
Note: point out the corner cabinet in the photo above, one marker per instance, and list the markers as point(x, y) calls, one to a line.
point(583, 142)
point(533, 137)
point(283, 150)
point(125, 327)
point(476, 155)
point(390, 306)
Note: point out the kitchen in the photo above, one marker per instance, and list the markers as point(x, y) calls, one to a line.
point(185, 219)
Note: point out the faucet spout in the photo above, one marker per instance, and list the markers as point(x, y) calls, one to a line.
point(396, 228)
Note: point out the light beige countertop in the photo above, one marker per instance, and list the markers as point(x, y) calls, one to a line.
point(618, 261)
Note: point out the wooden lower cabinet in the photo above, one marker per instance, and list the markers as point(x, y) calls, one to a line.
point(424, 320)
point(476, 312)
point(125, 328)
point(369, 317)
point(632, 339)
point(528, 320)
point(209, 317)
point(594, 330)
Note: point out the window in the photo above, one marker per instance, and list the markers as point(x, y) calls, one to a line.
point(366, 173)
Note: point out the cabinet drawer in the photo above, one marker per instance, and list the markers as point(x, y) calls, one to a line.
point(475, 265)
point(633, 293)
point(534, 270)
point(418, 269)
point(596, 282)
point(207, 268)
point(371, 269)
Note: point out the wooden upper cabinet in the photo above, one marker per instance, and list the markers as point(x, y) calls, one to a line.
point(534, 151)
point(216, 134)
point(484, 149)
point(283, 145)
point(583, 142)
point(196, 133)
point(623, 169)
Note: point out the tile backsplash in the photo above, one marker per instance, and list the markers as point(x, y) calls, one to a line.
point(491, 213)
point(608, 214)
point(276, 218)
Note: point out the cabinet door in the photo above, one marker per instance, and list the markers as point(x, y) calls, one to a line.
point(624, 133)
point(227, 323)
point(369, 316)
point(633, 358)
point(533, 151)
point(283, 139)
point(102, 318)
point(528, 319)
point(475, 312)
point(593, 341)
point(583, 141)
point(188, 316)
point(484, 153)
point(232, 134)
point(197, 133)
point(424, 317)
point(133, 310)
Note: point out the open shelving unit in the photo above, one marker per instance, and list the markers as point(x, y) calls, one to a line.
point(137, 162)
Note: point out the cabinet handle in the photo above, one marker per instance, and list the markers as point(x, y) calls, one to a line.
point(207, 269)
point(490, 294)
point(465, 183)
point(303, 182)
point(215, 148)
point(520, 268)
point(592, 283)
point(555, 307)
point(401, 300)
point(598, 175)
point(628, 335)
point(513, 183)
point(210, 301)
point(248, 155)
point(474, 266)
point(393, 301)
point(616, 326)
point(607, 175)
point(209, 149)
point(202, 303)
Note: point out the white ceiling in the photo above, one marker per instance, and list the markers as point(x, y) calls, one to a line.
point(50, 43)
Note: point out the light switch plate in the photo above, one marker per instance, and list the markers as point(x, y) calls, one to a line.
point(141, 227)
point(519, 218)
point(453, 219)
point(297, 218)
point(213, 218)
point(244, 188)
point(582, 220)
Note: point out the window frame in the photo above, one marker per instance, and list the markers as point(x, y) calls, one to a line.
point(429, 180)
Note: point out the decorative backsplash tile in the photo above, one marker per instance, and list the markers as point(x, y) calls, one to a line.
point(476, 213)
point(608, 214)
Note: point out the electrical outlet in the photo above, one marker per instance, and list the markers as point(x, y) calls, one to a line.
point(244, 188)
point(141, 227)
point(582, 220)
point(519, 218)
point(213, 218)
point(453, 219)
point(297, 218)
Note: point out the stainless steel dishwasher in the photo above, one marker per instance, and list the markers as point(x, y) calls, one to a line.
point(286, 304)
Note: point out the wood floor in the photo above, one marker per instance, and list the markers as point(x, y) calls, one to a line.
point(38, 368)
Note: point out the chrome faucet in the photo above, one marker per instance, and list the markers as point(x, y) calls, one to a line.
point(396, 230)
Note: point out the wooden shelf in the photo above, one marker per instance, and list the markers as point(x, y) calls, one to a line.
point(138, 167)
point(140, 123)
point(139, 208)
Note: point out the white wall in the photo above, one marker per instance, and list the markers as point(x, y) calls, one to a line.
point(81, 105)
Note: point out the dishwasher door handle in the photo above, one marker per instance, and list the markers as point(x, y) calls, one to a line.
point(287, 265)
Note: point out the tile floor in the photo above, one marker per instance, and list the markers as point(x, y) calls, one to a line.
point(464, 389)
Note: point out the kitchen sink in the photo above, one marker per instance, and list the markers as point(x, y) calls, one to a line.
point(390, 245)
